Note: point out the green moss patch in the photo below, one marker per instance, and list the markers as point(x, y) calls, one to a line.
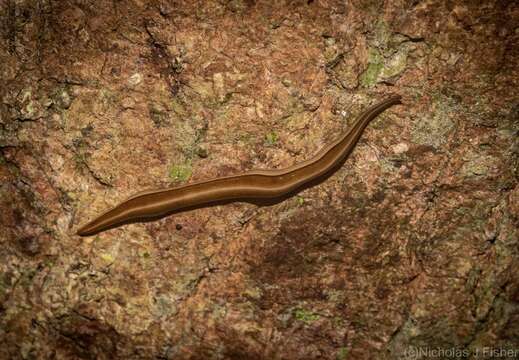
point(180, 172)
point(305, 316)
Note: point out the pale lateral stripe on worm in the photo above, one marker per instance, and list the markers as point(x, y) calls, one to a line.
point(256, 184)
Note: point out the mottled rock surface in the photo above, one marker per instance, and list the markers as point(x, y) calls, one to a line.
point(413, 245)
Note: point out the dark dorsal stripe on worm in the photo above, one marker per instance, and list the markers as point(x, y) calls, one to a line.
point(250, 186)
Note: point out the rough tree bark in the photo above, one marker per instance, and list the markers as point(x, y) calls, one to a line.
point(412, 245)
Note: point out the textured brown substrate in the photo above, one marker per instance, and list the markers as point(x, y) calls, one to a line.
point(412, 245)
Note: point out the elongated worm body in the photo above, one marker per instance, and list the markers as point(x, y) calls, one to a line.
point(250, 186)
